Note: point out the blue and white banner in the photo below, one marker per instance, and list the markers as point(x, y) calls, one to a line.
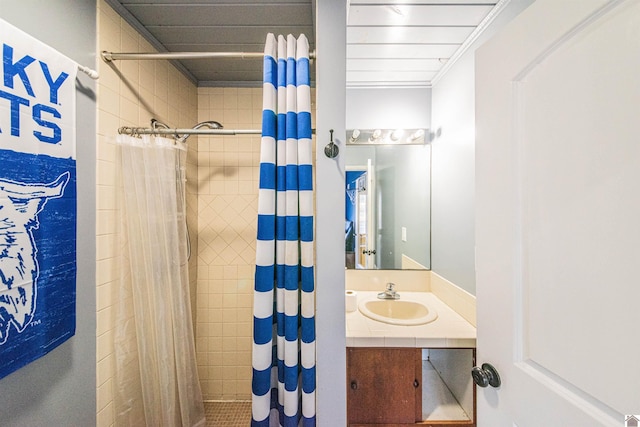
point(37, 199)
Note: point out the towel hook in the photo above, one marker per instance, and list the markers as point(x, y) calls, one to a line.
point(331, 150)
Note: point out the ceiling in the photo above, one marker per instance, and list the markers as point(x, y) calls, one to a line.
point(408, 42)
point(403, 43)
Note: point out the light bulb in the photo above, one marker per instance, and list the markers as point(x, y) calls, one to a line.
point(396, 134)
point(417, 135)
point(354, 135)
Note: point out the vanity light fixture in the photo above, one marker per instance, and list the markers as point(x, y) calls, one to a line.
point(396, 135)
point(416, 135)
point(411, 136)
point(354, 136)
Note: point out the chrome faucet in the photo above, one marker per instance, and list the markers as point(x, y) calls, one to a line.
point(389, 293)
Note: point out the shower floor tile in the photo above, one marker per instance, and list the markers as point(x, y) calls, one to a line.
point(228, 414)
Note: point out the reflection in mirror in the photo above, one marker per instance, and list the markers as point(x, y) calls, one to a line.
point(387, 216)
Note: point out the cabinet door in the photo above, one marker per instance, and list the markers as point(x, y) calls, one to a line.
point(383, 385)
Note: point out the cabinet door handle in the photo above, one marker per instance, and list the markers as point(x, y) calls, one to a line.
point(416, 383)
point(354, 385)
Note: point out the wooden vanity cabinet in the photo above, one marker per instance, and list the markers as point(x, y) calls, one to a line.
point(383, 386)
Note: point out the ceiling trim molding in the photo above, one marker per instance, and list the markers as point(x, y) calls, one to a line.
point(137, 25)
point(497, 9)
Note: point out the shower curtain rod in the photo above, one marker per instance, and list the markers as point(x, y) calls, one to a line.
point(113, 56)
point(177, 132)
point(134, 131)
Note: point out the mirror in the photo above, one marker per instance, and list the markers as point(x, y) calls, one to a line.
point(388, 214)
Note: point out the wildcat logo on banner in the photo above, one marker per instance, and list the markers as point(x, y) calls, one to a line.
point(37, 199)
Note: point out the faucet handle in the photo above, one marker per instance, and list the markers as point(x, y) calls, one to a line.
point(389, 293)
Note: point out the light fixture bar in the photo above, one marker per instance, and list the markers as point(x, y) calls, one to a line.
point(388, 136)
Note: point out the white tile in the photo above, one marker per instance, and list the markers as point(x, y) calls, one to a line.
point(108, 123)
point(461, 342)
point(104, 395)
point(458, 299)
point(106, 222)
point(368, 342)
point(104, 370)
point(104, 345)
point(105, 416)
point(107, 269)
point(104, 320)
point(106, 151)
point(105, 247)
point(245, 101)
point(103, 295)
point(109, 99)
point(356, 325)
point(431, 342)
point(396, 341)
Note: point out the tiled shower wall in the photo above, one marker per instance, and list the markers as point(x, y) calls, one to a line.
point(130, 93)
point(227, 215)
point(228, 172)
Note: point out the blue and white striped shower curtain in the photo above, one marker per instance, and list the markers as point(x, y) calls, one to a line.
point(284, 374)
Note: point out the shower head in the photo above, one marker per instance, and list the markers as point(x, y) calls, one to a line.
point(211, 124)
point(156, 124)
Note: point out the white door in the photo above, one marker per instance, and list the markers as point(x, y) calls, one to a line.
point(362, 221)
point(371, 214)
point(558, 215)
point(365, 218)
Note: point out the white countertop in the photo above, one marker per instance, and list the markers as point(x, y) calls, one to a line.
point(449, 330)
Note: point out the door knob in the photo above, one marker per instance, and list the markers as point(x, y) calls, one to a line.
point(486, 375)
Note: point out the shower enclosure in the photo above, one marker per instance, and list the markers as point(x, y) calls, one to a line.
point(156, 381)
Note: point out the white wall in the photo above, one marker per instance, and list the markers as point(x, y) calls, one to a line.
point(453, 163)
point(59, 389)
point(388, 108)
point(331, 374)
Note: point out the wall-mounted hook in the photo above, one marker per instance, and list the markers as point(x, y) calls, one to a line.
point(331, 150)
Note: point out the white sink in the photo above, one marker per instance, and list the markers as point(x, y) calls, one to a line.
point(397, 312)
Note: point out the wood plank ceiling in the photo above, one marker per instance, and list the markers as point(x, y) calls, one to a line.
point(406, 43)
point(389, 43)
